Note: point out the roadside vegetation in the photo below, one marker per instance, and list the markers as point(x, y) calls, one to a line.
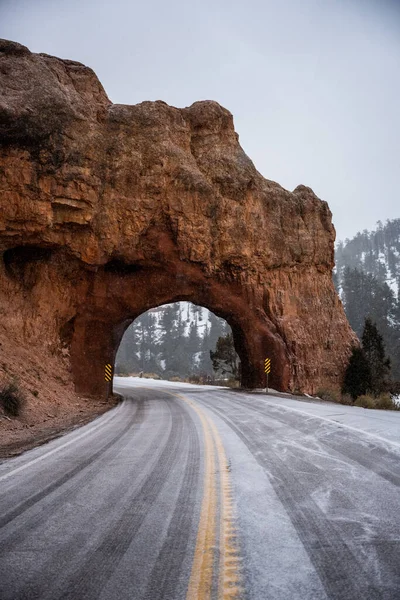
point(367, 277)
point(367, 379)
point(385, 401)
point(11, 398)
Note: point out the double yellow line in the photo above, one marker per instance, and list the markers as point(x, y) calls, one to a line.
point(216, 544)
point(216, 568)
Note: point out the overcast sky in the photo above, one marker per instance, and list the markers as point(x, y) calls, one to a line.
point(314, 85)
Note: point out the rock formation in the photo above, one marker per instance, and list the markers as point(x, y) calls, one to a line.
point(108, 210)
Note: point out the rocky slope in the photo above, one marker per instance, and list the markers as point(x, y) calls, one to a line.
point(108, 210)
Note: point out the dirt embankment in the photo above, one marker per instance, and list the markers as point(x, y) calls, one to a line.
point(51, 406)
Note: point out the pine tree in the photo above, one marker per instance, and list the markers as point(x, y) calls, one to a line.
point(128, 355)
point(357, 378)
point(205, 364)
point(174, 342)
point(224, 358)
point(363, 295)
point(192, 348)
point(216, 330)
point(354, 292)
point(167, 346)
point(368, 277)
point(374, 350)
point(168, 337)
point(144, 330)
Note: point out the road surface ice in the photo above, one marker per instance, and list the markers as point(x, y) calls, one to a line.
point(194, 492)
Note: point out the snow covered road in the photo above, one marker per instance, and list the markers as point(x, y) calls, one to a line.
point(317, 493)
point(196, 493)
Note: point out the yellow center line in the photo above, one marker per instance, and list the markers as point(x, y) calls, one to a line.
point(229, 576)
point(229, 565)
point(200, 583)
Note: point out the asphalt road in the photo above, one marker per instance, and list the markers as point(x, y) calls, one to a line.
point(189, 492)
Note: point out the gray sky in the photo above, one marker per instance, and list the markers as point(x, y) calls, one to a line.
point(313, 85)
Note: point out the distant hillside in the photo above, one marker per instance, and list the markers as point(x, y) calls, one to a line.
point(367, 277)
point(374, 252)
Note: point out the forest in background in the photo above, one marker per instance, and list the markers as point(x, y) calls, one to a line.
point(367, 277)
point(173, 340)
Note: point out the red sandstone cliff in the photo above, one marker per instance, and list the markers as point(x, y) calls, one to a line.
point(107, 210)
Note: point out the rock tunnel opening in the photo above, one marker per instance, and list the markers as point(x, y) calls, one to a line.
point(115, 297)
point(179, 341)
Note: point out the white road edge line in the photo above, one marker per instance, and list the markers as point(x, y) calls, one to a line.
point(75, 439)
point(373, 435)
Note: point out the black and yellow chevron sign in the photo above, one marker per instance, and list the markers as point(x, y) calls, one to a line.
point(108, 372)
point(267, 365)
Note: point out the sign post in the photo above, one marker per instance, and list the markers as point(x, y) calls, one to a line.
point(267, 369)
point(108, 375)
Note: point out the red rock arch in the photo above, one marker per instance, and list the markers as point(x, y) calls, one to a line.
point(119, 298)
point(108, 210)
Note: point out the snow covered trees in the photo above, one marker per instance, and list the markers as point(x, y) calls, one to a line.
point(172, 340)
point(368, 279)
point(225, 361)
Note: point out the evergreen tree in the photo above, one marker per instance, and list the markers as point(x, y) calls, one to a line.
point(169, 338)
point(354, 290)
point(376, 253)
point(205, 364)
point(216, 330)
point(224, 358)
point(374, 351)
point(128, 355)
point(192, 348)
point(164, 342)
point(139, 344)
point(364, 296)
point(173, 342)
point(167, 325)
point(357, 378)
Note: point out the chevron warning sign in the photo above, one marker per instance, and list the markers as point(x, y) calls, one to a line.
point(267, 365)
point(108, 372)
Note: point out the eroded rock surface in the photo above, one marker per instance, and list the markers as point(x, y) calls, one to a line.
point(108, 210)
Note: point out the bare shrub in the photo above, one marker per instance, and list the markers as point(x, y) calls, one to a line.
point(231, 383)
point(11, 398)
point(365, 401)
point(328, 394)
point(347, 400)
point(386, 402)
